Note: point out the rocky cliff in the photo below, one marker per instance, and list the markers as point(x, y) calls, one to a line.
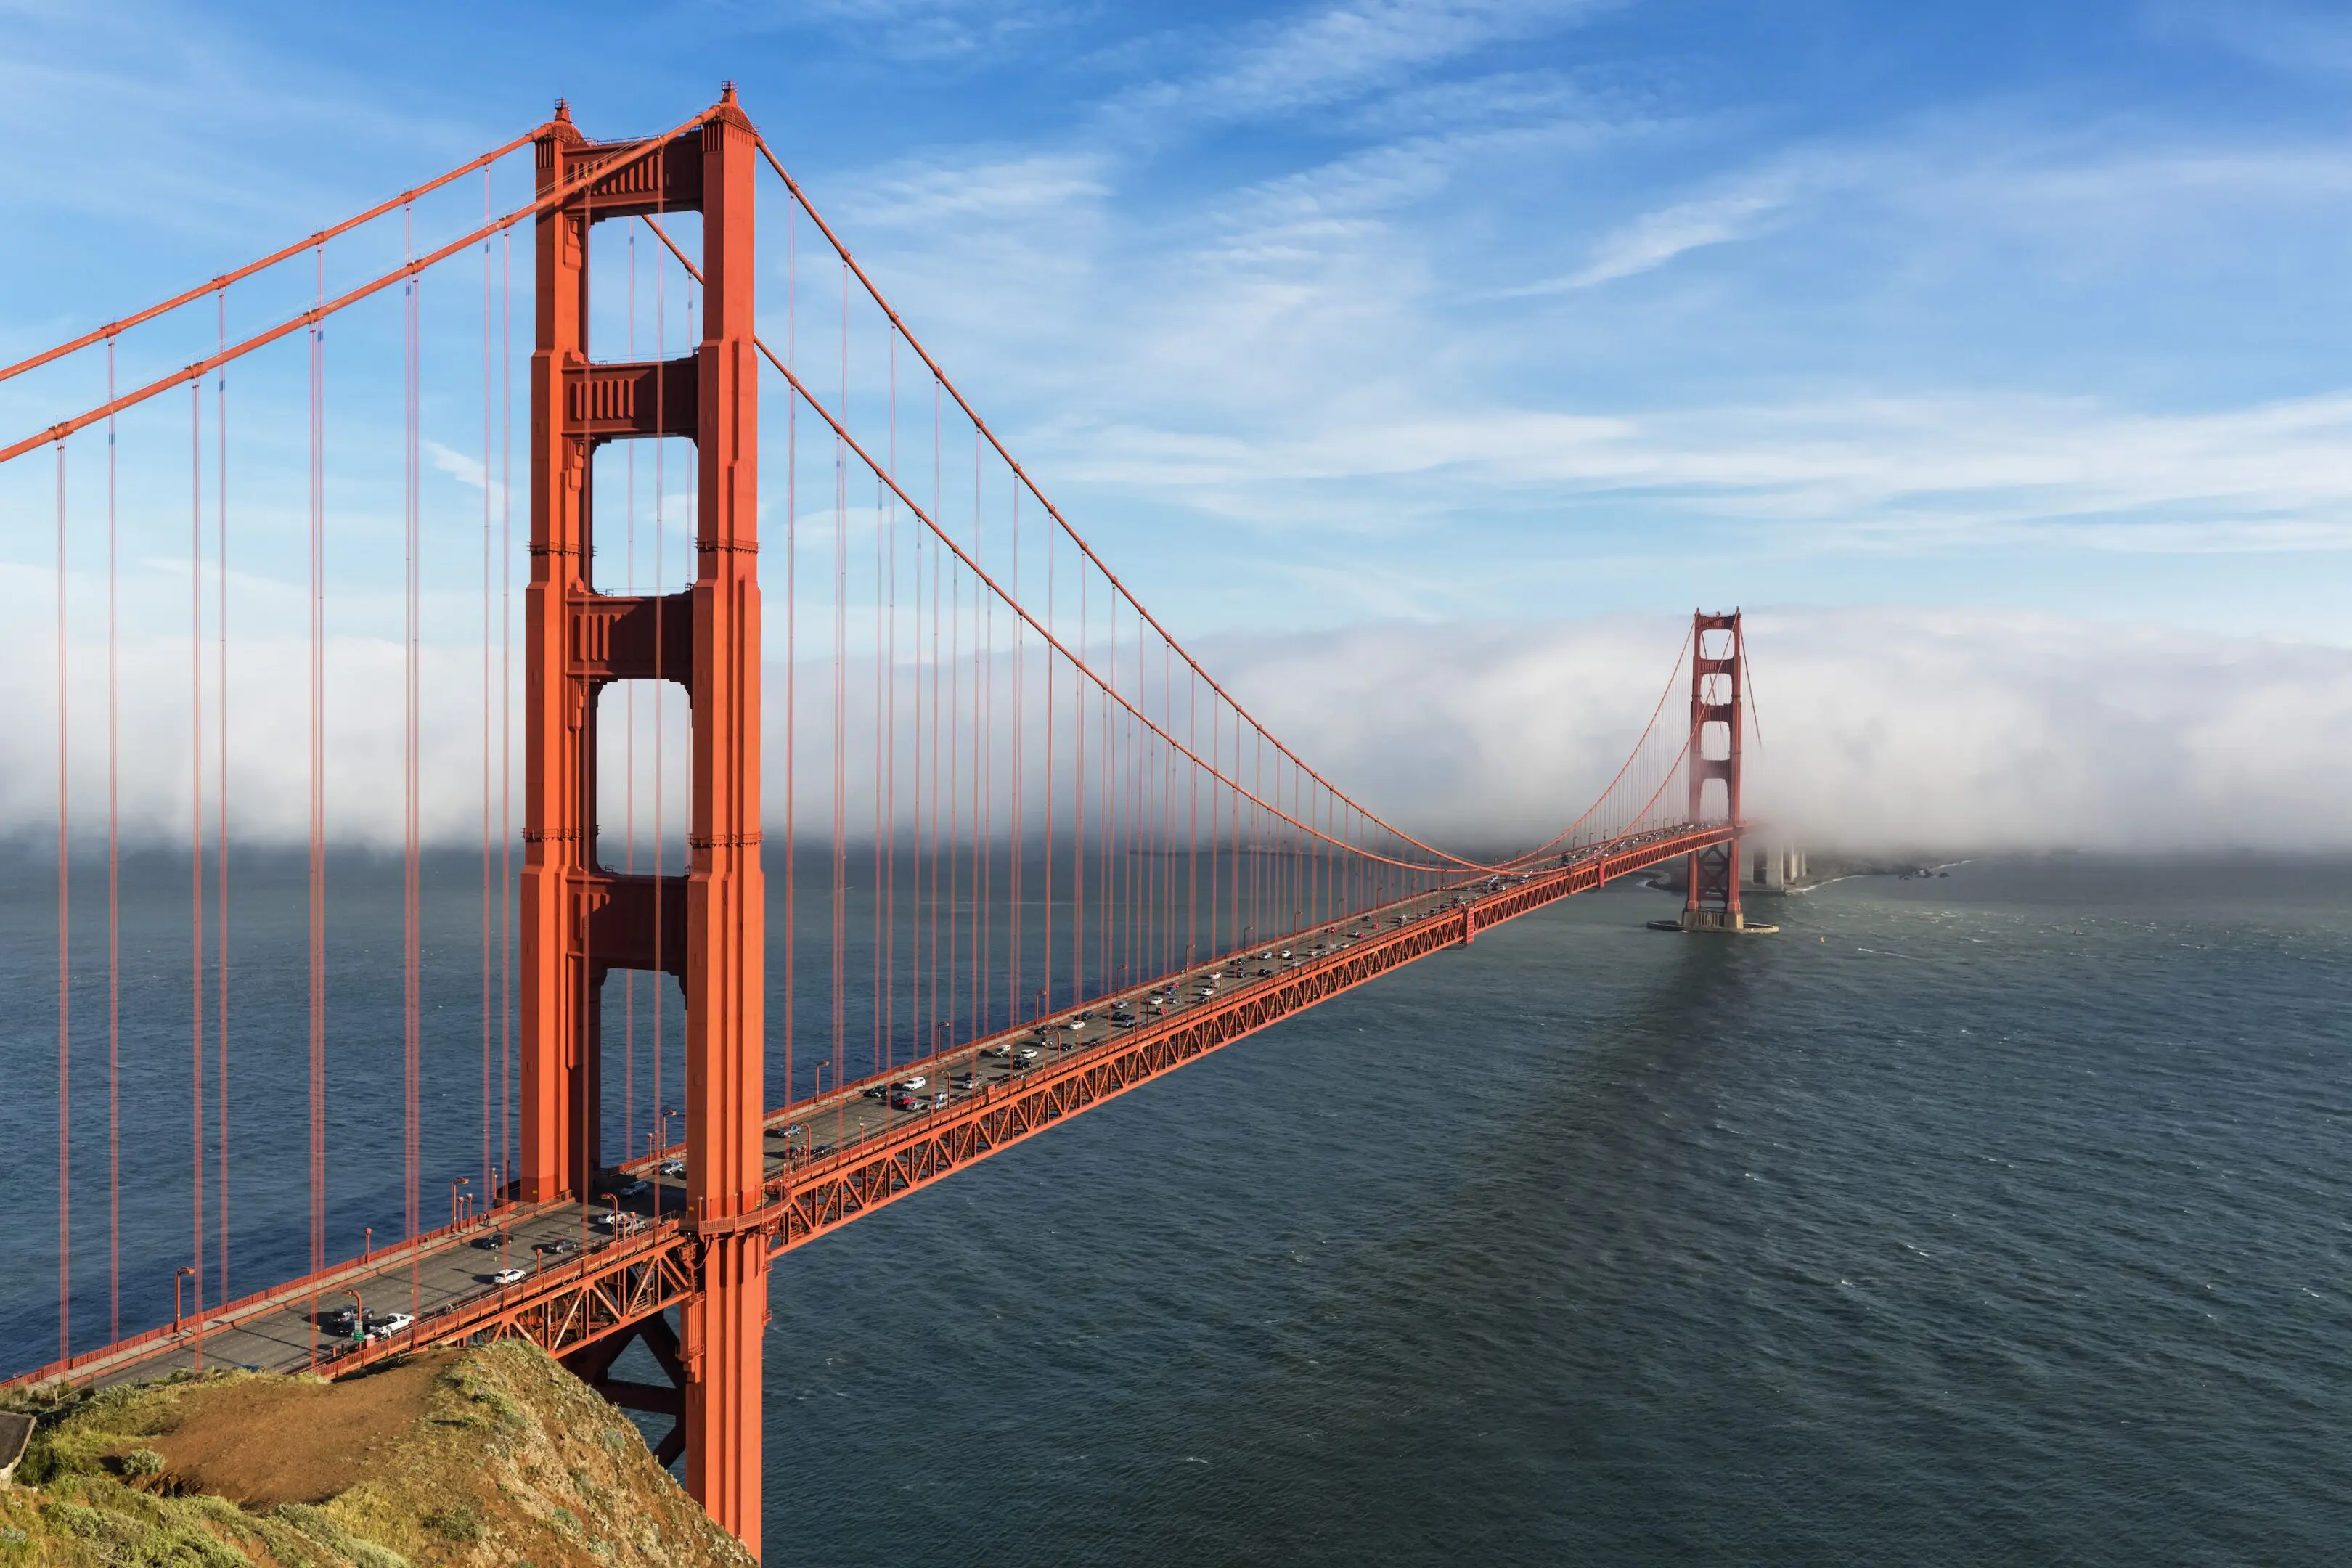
point(493, 1456)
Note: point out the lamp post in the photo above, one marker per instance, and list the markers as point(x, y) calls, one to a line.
point(460, 1181)
point(176, 1301)
point(359, 1318)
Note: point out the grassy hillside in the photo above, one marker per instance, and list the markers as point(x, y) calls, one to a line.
point(494, 1455)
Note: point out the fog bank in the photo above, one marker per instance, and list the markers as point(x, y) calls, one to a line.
point(1873, 729)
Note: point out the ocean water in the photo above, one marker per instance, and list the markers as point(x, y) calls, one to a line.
point(2000, 1217)
point(1997, 1217)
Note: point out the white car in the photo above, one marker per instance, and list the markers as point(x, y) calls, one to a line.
point(383, 1328)
point(673, 1167)
point(508, 1277)
point(912, 1082)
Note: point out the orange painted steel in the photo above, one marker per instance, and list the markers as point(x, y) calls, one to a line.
point(827, 1194)
point(1711, 897)
point(623, 1287)
point(546, 202)
point(579, 920)
point(726, 967)
point(287, 253)
point(106, 1359)
point(607, 1292)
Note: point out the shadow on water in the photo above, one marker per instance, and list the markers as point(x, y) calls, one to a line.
point(1958, 1223)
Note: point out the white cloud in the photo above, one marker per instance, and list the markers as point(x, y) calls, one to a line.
point(1284, 352)
point(2292, 37)
point(1933, 728)
point(917, 30)
point(1918, 473)
point(1338, 53)
point(1655, 239)
point(1939, 730)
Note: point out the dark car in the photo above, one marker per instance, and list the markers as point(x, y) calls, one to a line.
point(490, 1241)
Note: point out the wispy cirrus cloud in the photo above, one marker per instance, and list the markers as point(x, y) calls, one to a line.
point(1918, 474)
point(2302, 39)
point(956, 32)
point(1296, 355)
point(1335, 54)
point(1657, 238)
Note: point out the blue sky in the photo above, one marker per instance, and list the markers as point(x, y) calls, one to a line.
point(1997, 352)
point(1437, 311)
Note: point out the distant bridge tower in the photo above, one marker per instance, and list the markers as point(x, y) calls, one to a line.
point(1717, 716)
point(581, 920)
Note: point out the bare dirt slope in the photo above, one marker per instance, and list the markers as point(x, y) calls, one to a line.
point(494, 1455)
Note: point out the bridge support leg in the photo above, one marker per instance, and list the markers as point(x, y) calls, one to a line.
point(726, 906)
point(556, 789)
point(1717, 718)
point(723, 1366)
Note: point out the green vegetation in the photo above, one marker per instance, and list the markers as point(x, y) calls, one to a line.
point(492, 1456)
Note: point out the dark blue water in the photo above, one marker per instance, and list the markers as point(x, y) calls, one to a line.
point(1998, 1217)
point(1995, 1219)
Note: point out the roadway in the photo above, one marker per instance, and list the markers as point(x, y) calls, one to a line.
point(455, 1268)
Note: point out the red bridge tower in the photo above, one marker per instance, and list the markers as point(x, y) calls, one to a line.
point(1717, 716)
point(581, 920)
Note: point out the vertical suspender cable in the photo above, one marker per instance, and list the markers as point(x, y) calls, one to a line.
point(505, 700)
point(196, 840)
point(1049, 777)
point(889, 795)
point(938, 672)
point(317, 881)
point(629, 730)
point(113, 898)
point(1014, 990)
point(661, 517)
point(482, 1174)
point(411, 1002)
point(879, 975)
point(792, 645)
point(1079, 989)
point(1191, 818)
point(979, 1018)
point(220, 785)
point(840, 694)
point(64, 964)
point(955, 794)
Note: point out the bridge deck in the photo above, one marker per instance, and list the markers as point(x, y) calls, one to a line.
point(833, 1158)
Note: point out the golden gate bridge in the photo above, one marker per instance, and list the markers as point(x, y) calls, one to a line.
point(1032, 855)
